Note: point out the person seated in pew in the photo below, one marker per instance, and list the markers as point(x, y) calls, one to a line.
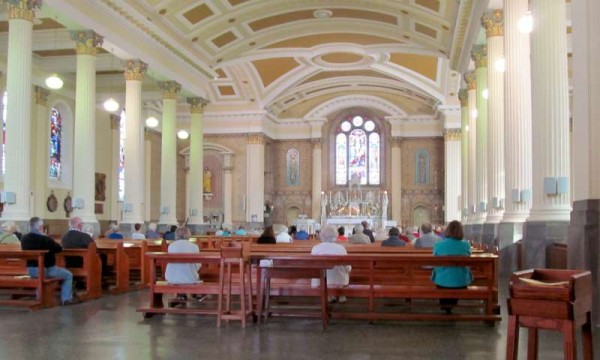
point(302, 235)
point(283, 236)
point(339, 275)
point(293, 232)
point(138, 234)
point(183, 273)
point(152, 233)
point(452, 277)
point(241, 231)
point(394, 239)
point(37, 240)
point(367, 231)
point(8, 236)
point(114, 232)
point(76, 238)
point(267, 237)
point(428, 239)
point(403, 237)
point(358, 237)
point(170, 235)
point(341, 237)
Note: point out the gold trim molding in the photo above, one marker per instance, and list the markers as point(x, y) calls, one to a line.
point(23, 9)
point(170, 89)
point(41, 96)
point(479, 55)
point(197, 104)
point(471, 80)
point(256, 138)
point(135, 70)
point(493, 22)
point(317, 143)
point(396, 141)
point(452, 134)
point(87, 42)
point(463, 96)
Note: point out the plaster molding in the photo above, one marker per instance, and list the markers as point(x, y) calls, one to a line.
point(327, 108)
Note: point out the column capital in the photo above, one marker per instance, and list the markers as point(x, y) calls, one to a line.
point(170, 89)
point(148, 134)
point(135, 70)
point(23, 9)
point(452, 134)
point(197, 104)
point(87, 42)
point(463, 96)
point(41, 96)
point(493, 22)
point(227, 163)
point(471, 80)
point(479, 55)
point(396, 141)
point(316, 143)
point(256, 138)
point(115, 121)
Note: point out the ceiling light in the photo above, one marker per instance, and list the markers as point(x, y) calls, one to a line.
point(526, 23)
point(485, 94)
point(500, 65)
point(111, 105)
point(152, 122)
point(54, 82)
point(182, 134)
point(322, 13)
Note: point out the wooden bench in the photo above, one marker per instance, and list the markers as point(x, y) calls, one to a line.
point(399, 276)
point(20, 289)
point(118, 260)
point(90, 272)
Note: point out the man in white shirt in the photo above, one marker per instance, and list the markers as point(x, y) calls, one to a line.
point(138, 234)
point(339, 275)
point(183, 273)
point(283, 236)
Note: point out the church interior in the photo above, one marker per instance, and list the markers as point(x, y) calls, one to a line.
point(227, 114)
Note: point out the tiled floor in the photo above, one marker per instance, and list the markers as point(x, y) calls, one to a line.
point(110, 328)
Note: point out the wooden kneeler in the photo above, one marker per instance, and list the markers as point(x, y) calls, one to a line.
point(233, 254)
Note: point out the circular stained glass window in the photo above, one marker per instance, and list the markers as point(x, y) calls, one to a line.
point(357, 121)
point(346, 126)
point(369, 125)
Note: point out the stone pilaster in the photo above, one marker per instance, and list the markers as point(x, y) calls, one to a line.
point(255, 183)
point(115, 123)
point(42, 131)
point(479, 55)
point(316, 180)
point(463, 96)
point(227, 189)
point(195, 196)
point(452, 166)
point(396, 174)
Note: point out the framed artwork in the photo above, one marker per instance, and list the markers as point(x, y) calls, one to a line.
point(422, 167)
point(292, 168)
point(98, 208)
point(100, 187)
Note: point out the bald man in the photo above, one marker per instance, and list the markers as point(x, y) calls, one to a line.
point(77, 239)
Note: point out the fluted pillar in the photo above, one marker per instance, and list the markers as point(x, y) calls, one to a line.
point(479, 55)
point(316, 179)
point(115, 126)
point(493, 23)
point(147, 174)
point(39, 172)
point(396, 174)
point(227, 189)
point(168, 163)
point(84, 154)
point(452, 170)
point(255, 182)
point(470, 79)
point(195, 195)
point(134, 144)
point(463, 96)
point(18, 108)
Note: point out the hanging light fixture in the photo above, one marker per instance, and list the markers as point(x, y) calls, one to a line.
point(183, 134)
point(526, 23)
point(54, 82)
point(151, 122)
point(111, 105)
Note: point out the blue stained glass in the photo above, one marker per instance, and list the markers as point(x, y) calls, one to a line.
point(341, 168)
point(374, 152)
point(357, 155)
point(56, 128)
point(358, 152)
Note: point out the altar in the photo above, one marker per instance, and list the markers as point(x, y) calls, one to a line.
point(349, 222)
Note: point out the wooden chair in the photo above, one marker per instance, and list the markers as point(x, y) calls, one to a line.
point(233, 254)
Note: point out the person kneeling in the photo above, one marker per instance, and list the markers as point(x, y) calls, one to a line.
point(183, 273)
point(339, 275)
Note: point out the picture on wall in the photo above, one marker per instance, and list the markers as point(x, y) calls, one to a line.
point(292, 169)
point(422, 167)
point(100, 187)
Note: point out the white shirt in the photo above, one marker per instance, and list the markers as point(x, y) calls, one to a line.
point(138, 236)
point(283, 237)
point(183, 273)
point(339, 275)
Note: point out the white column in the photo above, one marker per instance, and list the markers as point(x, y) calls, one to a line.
point(517, 114)
point(168, 160)
point(134, 143)
point(42, 130)
point(493, 23)
point(227, 189)
point(452, 170)
point(463, 96)
point(18, 108)
point(195, 195)
point(147, 174)
point(84, 155)
point(550, 108)
point(316, 179)
point(255, 182)
point(479, 55)
point(470, 78)
point(115, 123)
point(396, 179)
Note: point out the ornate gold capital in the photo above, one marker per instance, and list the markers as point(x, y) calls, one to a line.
point(471, 80)
point(135, 70)
point(41, 96)
point(479, 55)
point(23, 9)
point(256, 138)
point(493, 22)
point(170, 89)
point(316, 143)
point(463, 96)
point(451, 134)
point(87, 42)
point(396, 141)
point(115, 121)
point(197, 104)
point(148, 134)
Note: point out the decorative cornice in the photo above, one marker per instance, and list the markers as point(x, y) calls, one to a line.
point(256, 138)
point(41, 96)
point(479, 55)
point(471, 80)
point(170, 89)
point(23, 9)
point(451, 134)
point(343, 102)
point(463, 96)
point(460, 32)
point(87, 42)
point(197, 104)
point(493, 22)
point(115, 121)
point(135, 70)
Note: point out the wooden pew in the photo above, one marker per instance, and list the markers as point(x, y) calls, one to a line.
point(90, 272)
point(22, 290)
point(119, 261)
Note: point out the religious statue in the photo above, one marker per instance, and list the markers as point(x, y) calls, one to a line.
point(207, 181)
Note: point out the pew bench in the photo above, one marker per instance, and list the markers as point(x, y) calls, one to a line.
point(90, 272)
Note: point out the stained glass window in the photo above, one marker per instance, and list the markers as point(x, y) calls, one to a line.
point(56, 131)
point(121, 174)
point(357, 151)
point(4, 100)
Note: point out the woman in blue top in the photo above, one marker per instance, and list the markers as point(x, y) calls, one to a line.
point(452, 277)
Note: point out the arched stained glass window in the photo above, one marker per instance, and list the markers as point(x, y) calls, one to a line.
point(121, 174)
point(56, 131)
point(4, 100)
point(357, 151)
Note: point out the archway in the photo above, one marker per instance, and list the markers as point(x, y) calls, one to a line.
point(292, 214)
